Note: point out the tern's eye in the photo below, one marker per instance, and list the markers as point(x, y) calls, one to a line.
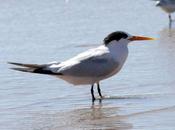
point(115, 36)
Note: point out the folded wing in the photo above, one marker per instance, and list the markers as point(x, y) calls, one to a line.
point(91, 67)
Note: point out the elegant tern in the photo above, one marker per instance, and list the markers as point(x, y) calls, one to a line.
point(91, 66)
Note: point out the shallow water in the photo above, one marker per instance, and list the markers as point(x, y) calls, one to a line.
point(141, 96)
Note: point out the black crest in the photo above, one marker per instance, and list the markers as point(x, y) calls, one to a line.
point(115, 36)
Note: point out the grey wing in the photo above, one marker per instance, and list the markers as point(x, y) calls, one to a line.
point(91, 67)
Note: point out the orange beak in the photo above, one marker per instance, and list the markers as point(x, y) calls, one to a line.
point(136, 38)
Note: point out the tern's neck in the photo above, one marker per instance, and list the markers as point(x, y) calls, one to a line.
point(119, 51)
point(117, 46)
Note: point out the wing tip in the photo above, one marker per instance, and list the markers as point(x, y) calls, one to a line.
point(9, 62)
point(22, 69)
point(13, 63)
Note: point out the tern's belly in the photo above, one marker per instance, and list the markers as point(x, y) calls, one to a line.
point(75, 80)
point(80, 80)
point(169, 9)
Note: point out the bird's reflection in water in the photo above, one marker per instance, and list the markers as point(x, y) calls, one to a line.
point(171, 24)
point(166, 39)
point(167, 34)
point(94, 117)
point(166, 49)
point(165, 56)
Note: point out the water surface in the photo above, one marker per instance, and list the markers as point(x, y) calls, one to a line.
point(141, 96)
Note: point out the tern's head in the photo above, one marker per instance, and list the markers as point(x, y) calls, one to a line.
point(162, 3)
point(159, 3)
point(120, 37)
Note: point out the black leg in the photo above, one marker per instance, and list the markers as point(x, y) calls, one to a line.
point(92, 93)
point(99, 90)
point(170, 19)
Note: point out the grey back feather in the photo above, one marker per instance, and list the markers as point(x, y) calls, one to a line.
point(90, 67)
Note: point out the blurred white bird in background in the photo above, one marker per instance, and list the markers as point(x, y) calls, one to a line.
point(91, 66)
point(168, 6)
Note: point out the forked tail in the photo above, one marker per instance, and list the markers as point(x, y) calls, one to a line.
point(33, 68)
